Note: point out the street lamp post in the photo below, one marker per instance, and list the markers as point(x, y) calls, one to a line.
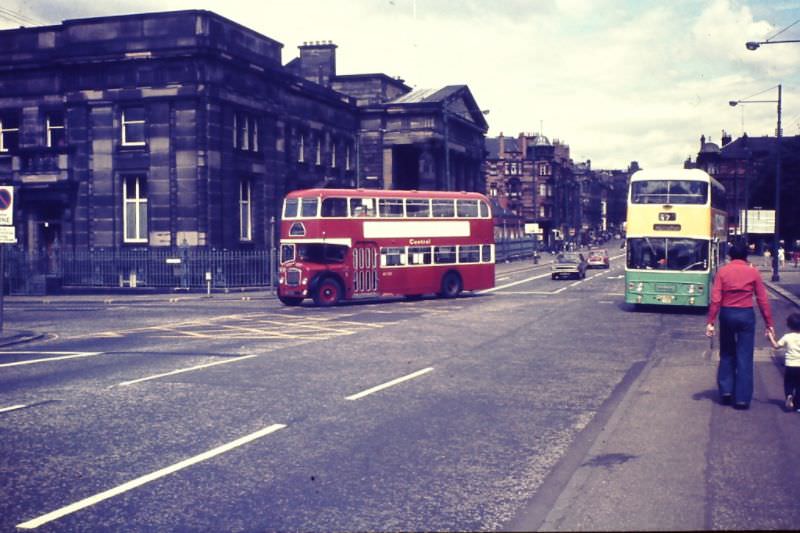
point(753, 45)
point(775, 243)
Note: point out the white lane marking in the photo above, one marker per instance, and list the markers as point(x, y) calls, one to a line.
point(526, 280)
point(48, 359)
point(12, 408)
point(503, 278)
point(389, 384)
point(87, 502)
point(182, 370)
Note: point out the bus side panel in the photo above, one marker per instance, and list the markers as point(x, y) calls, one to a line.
point(477, 277)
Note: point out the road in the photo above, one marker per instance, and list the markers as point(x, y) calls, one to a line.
point(227, 414)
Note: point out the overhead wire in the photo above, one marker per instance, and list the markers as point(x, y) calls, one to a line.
point(783, 30)
point(18, 18)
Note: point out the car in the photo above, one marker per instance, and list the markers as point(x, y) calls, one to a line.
point(598, 257)
point(568, 265)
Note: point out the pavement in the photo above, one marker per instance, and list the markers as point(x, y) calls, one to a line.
point(666, 456)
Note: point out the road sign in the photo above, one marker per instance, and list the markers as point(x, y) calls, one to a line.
point(6, 205)
point(532, 227)
point(8, 235)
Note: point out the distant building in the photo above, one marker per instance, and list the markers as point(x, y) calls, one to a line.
point(746, 167)
point(537, 180)
point(184, 128)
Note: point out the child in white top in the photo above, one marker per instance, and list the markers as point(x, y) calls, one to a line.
point(790, 343)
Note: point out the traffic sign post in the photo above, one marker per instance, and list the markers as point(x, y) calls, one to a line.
point(7, 236)
point(6, 205)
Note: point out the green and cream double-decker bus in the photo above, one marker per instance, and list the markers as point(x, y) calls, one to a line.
point(676, 236)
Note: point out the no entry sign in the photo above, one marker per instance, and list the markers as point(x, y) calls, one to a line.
point(6, 205)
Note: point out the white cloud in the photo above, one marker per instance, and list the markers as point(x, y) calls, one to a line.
point(618, 80)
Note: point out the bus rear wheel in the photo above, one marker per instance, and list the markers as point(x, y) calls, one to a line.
point(328, 293)
point(451, 285)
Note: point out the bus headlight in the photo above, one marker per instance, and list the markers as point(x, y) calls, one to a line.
point(636, 287)
point(691, 289)
point(691, 300)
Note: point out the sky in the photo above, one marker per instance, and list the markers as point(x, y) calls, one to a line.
point(616, 80)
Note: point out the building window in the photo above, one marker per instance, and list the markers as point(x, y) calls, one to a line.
point(245, 212)
point(333, 154)
point(133, 126)
point(236, 130)
point(9, 132)
point(54, 124)
point(134, 221)
point(318, 158)
point(544, 169)
point(301, 148)
point(347, 157)
point(245, 132)
point(254, 143)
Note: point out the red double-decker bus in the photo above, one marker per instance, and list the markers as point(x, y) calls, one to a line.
point(339, 244)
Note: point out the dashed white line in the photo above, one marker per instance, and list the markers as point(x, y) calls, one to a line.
point(48, 359)
point(12, 408)
point(520, 282)
point(87, 502)
point(389, 384)
point(189, 369)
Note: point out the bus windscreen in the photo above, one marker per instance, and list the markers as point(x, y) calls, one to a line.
point(676, 254)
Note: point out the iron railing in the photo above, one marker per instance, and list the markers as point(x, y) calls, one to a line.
point(184, 268)
point(155, 268)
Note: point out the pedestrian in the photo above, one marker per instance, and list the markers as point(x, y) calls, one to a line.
point(790, 344)
point(781, 256)
point(767, 257)
point(732, 299)
point(796, 257)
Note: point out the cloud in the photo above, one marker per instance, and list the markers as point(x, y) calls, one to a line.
point(618, 80)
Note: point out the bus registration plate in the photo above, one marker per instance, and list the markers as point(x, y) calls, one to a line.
point(665, 298)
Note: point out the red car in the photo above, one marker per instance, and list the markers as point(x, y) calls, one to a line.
point(598, 258)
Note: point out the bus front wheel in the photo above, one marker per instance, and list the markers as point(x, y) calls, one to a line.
point(328, 293)
point(451, 285)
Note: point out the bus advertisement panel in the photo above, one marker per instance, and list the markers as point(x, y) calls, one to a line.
point(339, 244)
point(676, 236)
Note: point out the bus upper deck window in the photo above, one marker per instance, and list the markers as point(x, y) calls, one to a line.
point(418, 208)
point(390, 207)
point(290, 208)
point(334, 207)
point(485, 211)
point(443, 208)
point(308, 207)
point(467, 208)
point(362, 207)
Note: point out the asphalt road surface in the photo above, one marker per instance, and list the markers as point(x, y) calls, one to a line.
point(144, 414)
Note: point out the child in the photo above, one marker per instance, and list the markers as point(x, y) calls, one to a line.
point(791, 377)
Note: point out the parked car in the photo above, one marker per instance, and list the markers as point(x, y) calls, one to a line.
point(569, 264)
point(598, 258)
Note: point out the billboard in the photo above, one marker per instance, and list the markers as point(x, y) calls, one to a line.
point(757, 221)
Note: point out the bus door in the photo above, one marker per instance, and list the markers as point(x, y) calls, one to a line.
point(366, 260)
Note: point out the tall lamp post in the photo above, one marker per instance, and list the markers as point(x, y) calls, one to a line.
point(775, 242)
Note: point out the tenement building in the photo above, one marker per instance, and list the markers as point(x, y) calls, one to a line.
point(186, 129)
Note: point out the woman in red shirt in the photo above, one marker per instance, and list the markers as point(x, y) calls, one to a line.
point(732, 299)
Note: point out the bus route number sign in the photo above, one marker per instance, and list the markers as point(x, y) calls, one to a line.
point(6, 205)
